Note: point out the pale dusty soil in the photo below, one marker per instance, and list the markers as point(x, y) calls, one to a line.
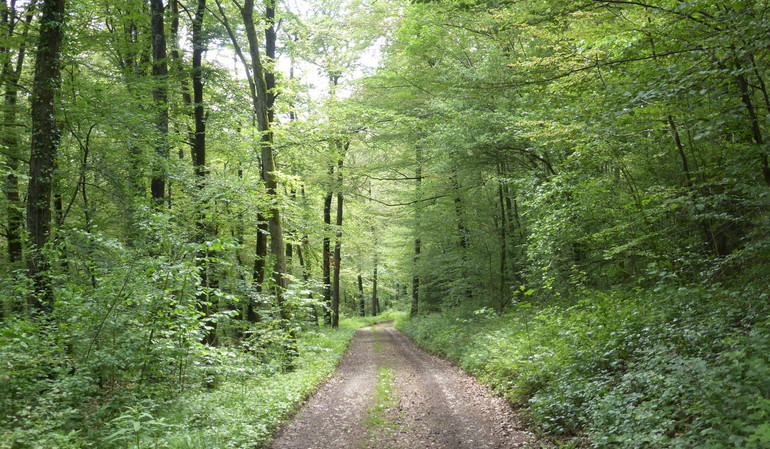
point(435, 405)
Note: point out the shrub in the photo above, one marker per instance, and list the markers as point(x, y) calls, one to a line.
point(671, 368)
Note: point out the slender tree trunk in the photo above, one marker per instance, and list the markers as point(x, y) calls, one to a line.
point(462, 232)
point(306, 277)
point(260, 107)
point(199, 164)
point(44, 147)
point(375, 299)
point(80, 189)
point(304, 265)
point(199, 47)
point(361, 300)
point(258, 275)
point(336, 265)
point(10, 76)
point(290, 253)
point(130, 59)
point(327, 287)
point(415, 308)
point(262, 102)
point(263, 96)
point(160, 97)
point(713, 237)
point(680, 150)
point(503, 288)
point(177, 65)
point(15, 218)
point(756, 131)
point(338, 246)
point(260, 255)
point(515, 230)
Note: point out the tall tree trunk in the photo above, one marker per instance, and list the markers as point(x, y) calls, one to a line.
point(260, 258)
point(11, 73)
point(177, 65)
point(462, 232)
point(44, 147)
point(199, 164)
point(327, 287)
point(255, 77)
point(361, 300)
point(515, 230)
point(756, 131)
point(160, 98)
point(714, 238)
point(503, 287)
point(262, 85)
point(303, 264)
point(130, 59)
point(199, 47)
point(415, 308)
point(306, 276)
point(258, 275)
point(338, 238)
point(337, 250)
point(375, 298)
point(262, 102)
point(680, 150)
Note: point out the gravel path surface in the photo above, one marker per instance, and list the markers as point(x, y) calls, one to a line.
point(389, 394)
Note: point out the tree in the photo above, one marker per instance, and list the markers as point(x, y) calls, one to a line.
point(262, 91)
point(44, 145)
point(160, 98)
point(415, 306)
point(337, 260)
point(12, 66)
point(199, 162)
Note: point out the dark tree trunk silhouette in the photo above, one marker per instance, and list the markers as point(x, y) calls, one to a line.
point(327, 281)
point(11, 73)
point(160, 97)
point(199, 164)
point(337, 260)
point(361, 299)
point(415, 306)
point(44, 147)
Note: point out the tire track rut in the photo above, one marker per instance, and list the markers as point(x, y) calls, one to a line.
point(438, 405)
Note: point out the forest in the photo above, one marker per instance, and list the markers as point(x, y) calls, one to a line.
point(202, 199)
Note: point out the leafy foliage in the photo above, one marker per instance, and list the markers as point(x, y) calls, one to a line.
point(580, 189)
point(676, 368)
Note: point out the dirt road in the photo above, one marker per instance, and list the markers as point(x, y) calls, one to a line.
point(389, 394)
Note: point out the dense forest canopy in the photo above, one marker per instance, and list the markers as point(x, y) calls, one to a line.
point(190, 181)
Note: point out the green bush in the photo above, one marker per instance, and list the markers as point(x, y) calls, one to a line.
point(241, 411)
point(672, 368)
point(355, 322)
point(237, 401)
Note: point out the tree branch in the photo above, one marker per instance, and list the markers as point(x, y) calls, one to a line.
point(408, 203)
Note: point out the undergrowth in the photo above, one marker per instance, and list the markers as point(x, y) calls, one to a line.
point(356, 322)
point(672, 368)
point(240, 399)
point(243, 413)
